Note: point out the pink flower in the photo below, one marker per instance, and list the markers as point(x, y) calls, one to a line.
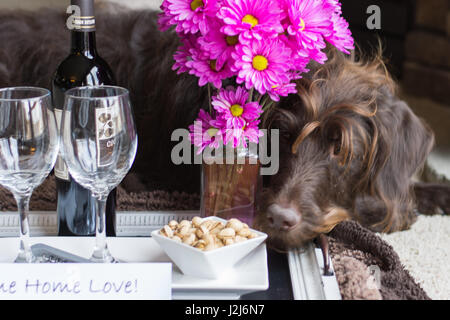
point(218, 45)
point(206, 132)
point(341, 37)
point(240, 136)
point(308, 21)
point(282, 90)
point(336, 5)
point(300, 58)
point(208, 71)
point(251, 18)
point(190, 16)
point(262, 64)
point(251, 132)
point(232, 106)
point(165, 19)
point(183, 56)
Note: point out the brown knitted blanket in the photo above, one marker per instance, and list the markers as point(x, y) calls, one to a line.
point(353, 248)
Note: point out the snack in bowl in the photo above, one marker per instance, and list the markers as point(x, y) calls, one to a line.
point(207, 247)
point(208, 234)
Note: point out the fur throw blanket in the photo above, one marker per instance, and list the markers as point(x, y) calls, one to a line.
point(34, 43)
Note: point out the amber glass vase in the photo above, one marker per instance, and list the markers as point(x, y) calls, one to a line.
point(231, 185)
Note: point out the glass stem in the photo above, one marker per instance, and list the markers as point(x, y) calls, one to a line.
point(101, 251)
point(25, 254)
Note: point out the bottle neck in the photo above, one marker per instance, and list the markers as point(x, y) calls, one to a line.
point(84, 43)
point(83, 27)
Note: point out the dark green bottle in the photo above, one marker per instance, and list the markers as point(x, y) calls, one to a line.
point(83, 67)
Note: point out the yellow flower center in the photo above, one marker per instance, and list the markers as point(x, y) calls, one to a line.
point(236, 110)
point(250, 19)
point(212, 131)
point(231, 40)
point(302, 24)
point(260, 63)
point(195, 4)
point(213, 65)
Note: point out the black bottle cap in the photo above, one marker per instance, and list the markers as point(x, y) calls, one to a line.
point(81, 15)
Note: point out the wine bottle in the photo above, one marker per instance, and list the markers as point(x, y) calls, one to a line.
point(83, 67)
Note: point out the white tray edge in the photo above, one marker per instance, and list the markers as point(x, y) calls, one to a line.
point(308, 281)
point(304, 265)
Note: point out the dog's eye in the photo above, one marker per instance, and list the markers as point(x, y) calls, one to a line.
point(335, 144)
point(285, 135)
point(336, 148)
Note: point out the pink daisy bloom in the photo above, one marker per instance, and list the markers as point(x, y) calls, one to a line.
point(336, 5)
point(207, 71)
point(206, 132)
point(183, 56)
point(300, 58)
point(190, 16)
point(341, 37)
point(218, 45)
point(232, 106)
point(282, 90)
point(308, 22)
point(240, 136)
point(251, 18)
point(251, 132)
point(262, 64)
point(164, 18)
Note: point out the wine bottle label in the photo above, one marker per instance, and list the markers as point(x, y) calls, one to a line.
point(81, 16)
point(108, 125)
point(60, 169)
point(84, 23)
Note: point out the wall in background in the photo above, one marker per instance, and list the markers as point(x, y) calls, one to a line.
point(427, 66)
point(396, 21)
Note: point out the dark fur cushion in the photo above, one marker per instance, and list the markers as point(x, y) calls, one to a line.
point(34, 43)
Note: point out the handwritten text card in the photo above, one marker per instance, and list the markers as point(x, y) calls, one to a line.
point(121, 281)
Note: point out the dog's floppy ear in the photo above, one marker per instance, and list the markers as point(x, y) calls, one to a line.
point(332, 218)
point(403, 144)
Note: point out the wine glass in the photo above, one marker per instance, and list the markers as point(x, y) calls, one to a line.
point(28, 149)
point(98, 144)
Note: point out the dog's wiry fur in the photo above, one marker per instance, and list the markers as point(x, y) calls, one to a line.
point(349, 146)
point(349, 150)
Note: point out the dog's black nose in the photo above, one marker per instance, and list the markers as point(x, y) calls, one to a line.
point(282, 218)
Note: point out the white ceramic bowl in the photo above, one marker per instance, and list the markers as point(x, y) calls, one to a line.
point(207, 264)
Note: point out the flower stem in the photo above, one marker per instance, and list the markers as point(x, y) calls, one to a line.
point(265, 100)
point(259, 97)
point(250, 95)
point(209, 99)
point(268, 105)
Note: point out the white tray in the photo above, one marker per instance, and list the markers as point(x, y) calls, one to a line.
point(249, 275)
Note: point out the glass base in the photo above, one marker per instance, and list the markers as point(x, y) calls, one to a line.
point(102, 256)
point(25, 257)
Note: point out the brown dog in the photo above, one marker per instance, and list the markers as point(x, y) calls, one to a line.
point(349, 149)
